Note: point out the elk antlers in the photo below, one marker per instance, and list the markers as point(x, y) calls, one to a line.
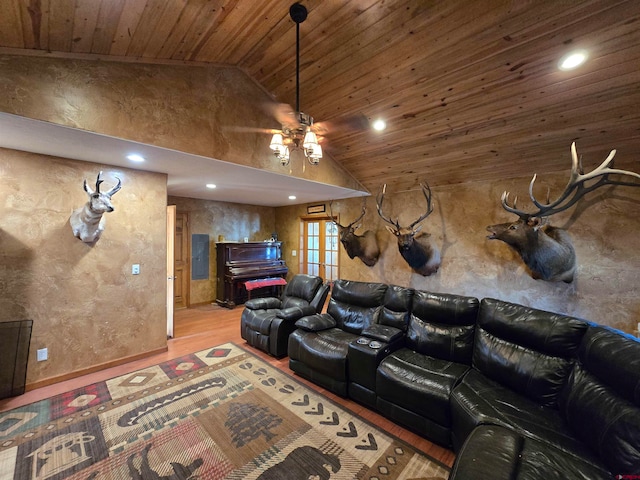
point(364, 210)
point(426, 190)
point(574, 190)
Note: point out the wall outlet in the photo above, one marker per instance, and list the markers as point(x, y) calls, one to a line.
point(43, 354)
point(135, 269)
point(294, 253)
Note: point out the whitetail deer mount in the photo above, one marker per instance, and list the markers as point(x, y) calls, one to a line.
point(364, 246)
point(548, 251)
point(422, 256)
point(87, 222)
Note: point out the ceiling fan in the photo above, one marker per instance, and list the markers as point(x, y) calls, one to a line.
point(298, 131)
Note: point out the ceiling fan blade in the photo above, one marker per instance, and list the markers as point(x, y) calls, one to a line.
point(284, 114)
point(239, 129)
point(342, 125)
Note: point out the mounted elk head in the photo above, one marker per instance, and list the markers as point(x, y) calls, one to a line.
point(365, 246)
point(546, 250)
point(421, 255)
point(87, 222)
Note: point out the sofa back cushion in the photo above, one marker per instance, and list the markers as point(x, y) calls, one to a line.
point(300, 290)
point(443, 325)
point(396, 307)
point(601, 400)
point(528, 350)
point(355, 305)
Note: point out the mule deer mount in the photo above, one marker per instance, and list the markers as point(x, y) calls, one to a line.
point(548, 251)
point(87, 222)
point(422, 256)
point(364, 246)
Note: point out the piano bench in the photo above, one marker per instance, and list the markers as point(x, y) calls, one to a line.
point(279, 282)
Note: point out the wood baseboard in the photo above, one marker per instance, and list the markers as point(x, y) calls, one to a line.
point(95, 368)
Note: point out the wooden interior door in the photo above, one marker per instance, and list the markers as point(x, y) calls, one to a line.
point(319, 248)
point(182, 261)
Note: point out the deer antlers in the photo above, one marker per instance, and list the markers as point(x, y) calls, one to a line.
point(426, 190)
point(574, 190)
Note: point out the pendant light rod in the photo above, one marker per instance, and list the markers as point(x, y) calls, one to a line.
point(297, 67)
point(298, 14)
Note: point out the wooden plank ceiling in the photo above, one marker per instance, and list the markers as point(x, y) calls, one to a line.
point(470, 90)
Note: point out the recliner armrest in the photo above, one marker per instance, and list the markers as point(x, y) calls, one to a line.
point(382, 333)
point(316, 323)
point(294, 313)
point(262, 303)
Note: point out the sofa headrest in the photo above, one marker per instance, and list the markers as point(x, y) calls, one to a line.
point(303, 286)
point(446, 309)
point(360, 294)
point(547, 332)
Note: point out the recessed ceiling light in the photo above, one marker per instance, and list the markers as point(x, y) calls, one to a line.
point(292, 197)
point(211, 185)
point(379, 125)
point(134, 157)
point(573, 60)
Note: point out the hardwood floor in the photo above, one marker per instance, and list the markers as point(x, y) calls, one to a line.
point(206, 326)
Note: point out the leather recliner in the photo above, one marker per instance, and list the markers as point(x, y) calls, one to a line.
point(374, 313)
point(266, 323)
point(413, 384)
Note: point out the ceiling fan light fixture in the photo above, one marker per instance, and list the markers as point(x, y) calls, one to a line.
point(276, 142)
point(283, 156)
point(314, 154)
point(310, 140)
point(299, 136)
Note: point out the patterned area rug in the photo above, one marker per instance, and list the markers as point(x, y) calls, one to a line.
point(221, 413)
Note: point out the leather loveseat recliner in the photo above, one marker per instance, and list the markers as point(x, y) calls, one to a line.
point(266, 323)
point(373, 313)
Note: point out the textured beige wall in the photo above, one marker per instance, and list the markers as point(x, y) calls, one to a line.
point(86, 307)
point(191, 109)
point(604, 227)
point(234, 221)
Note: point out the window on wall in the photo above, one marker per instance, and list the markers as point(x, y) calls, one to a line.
point(319, 248)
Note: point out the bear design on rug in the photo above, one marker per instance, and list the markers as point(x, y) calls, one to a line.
point(180, 472)
point(303, 463)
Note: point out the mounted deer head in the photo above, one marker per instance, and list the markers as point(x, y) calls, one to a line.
point(422, 256)
point(365, 246)
point(87, 222)
point(546, 250)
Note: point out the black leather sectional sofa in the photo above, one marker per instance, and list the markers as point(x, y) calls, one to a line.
point(518, 393)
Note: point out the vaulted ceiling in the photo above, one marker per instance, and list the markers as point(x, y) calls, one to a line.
point(470, 90)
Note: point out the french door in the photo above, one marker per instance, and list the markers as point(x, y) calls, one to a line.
point(319, 248)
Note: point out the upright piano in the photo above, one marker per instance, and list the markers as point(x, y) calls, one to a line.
point(238, 263)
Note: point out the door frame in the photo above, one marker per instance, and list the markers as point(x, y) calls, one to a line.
point(171, 237)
